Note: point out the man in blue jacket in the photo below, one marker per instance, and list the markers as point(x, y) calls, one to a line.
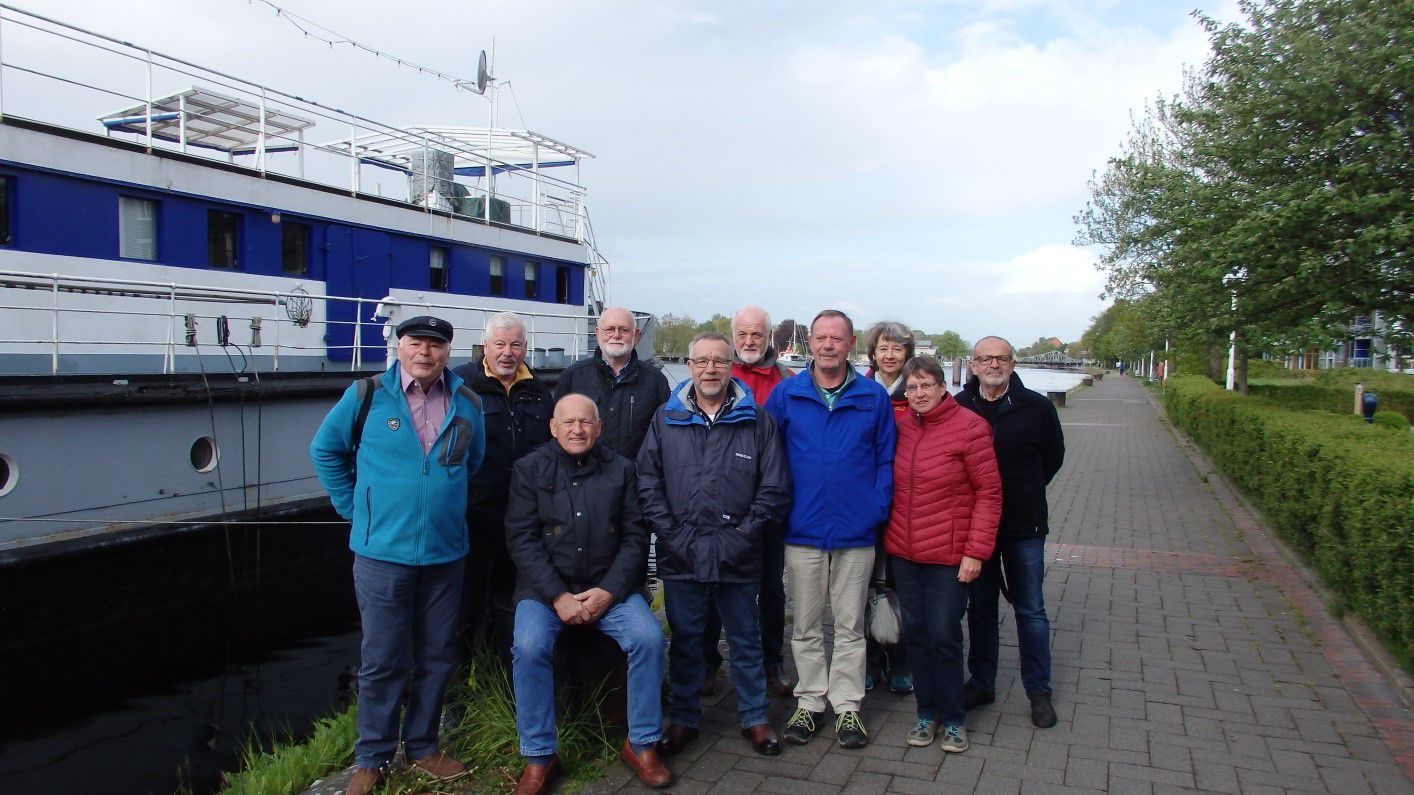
point(839, 437)
point(394, 454)
point(712, 479)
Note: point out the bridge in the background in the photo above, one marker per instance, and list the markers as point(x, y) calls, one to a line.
point(1055, 360)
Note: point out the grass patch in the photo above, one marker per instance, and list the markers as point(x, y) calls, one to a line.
point(290, 766)
point(484, 738)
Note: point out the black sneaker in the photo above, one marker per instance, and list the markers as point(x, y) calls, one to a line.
point(803, 726)
point(1043, 714)
point(849, 729)
point(974, 696)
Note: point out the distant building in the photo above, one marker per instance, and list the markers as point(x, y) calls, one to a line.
point(1366, 345)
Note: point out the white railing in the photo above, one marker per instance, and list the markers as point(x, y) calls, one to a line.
point(51, 314)
point(100, 72)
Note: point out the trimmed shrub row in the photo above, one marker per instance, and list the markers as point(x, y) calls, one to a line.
point(1340, 491)
point(1336, 399)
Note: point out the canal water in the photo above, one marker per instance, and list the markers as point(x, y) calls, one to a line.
point(145, 668)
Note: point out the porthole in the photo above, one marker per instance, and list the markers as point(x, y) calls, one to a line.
point(204, 454)
point(9, 474)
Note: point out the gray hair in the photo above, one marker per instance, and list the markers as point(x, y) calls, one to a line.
point(892, 331)
point(1011, 349)
point(709, 335)
point(924, 365)
point(504, 320)
point(765, 317)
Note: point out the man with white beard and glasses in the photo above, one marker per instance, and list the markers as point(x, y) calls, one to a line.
point(626, 389)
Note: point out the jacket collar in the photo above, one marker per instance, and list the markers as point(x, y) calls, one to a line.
point(629, 372)
point(681, 410)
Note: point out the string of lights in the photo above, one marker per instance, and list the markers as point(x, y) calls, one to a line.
point(333, 38)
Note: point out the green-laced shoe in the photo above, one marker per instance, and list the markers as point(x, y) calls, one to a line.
point(923, 733)
point(955, 739)
point(849, 729)
point(802, 726)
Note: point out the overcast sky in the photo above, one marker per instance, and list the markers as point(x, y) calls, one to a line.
point(919, 161)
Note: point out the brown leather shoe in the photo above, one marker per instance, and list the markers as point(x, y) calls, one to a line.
point(763, 739)
point(439, 766)
point(536, 778)
point(776, 682)
point(364, 780)
point(675, 738)
point(647, 767)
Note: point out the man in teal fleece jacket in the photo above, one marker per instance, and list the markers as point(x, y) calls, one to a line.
point(401, 479)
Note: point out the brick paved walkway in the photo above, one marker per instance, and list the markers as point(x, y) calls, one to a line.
point(1187, 655)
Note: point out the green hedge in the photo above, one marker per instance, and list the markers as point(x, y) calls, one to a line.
point(1336, 399)
point(1340, 491)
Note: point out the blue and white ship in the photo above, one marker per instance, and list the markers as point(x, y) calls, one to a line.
point(193, 266)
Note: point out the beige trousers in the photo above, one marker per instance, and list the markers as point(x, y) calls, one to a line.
point(841, 580)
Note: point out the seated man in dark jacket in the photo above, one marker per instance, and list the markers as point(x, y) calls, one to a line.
point(712, 479)
point(576, 534)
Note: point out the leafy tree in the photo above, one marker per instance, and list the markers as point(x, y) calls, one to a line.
point(1283, 173)
point(951, 345)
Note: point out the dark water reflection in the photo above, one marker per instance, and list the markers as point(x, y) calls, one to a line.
point(142, 669)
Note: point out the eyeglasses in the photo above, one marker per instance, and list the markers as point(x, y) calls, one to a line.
point(1003, 359)
point(920, 386)
point(702, 362)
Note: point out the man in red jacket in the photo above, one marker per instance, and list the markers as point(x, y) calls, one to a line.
point(754, 364)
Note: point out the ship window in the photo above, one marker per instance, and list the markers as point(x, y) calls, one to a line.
point(532, 288)
point(294, 248)
point(562, 285)
point(222, 233)
point(498, 276)
point(4, 210)
point(437, 268)
point(137, 228)
point(204, 454)
point(9, 474)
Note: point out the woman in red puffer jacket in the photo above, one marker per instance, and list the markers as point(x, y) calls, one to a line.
point(943, 524)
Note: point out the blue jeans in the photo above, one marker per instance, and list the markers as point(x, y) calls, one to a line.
point(1024, 562)
point(932, 602)
point(771, 603)
point(688, 603)
point(409, 618)
point(631, 624)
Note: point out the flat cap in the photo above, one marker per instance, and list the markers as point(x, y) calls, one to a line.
point(426, 326)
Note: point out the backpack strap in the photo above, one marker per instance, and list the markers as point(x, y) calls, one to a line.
point(470, 394)
point(366, 388)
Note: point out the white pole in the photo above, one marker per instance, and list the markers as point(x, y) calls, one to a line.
point(149, 100)
point(260, 137)
point(2, 66)
point(182, 120)
point(353, 161)
point(1167, 365)
point(1232, 348)
point(535, 178)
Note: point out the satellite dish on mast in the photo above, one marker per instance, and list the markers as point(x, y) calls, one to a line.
point(483, 77)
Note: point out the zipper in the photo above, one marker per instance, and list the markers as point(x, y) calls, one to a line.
point(368, 508)
point(913, 480)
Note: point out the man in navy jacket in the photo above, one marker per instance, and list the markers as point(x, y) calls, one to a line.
point(1030, 449)
point(839, 436)
point(712, 479)
point(399, 472)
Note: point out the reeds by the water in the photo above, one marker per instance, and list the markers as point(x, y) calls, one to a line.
point(483, 736)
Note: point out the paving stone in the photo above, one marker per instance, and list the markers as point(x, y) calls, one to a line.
point(1178, 662)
